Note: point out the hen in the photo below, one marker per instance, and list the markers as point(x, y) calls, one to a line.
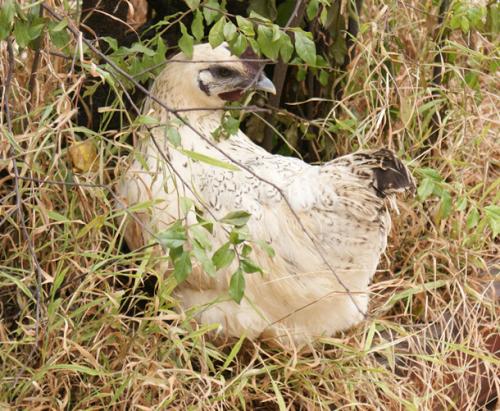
point(327, 224)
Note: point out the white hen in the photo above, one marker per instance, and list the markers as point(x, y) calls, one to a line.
point(342, 205)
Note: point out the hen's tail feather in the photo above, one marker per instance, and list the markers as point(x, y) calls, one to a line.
point(390, 175)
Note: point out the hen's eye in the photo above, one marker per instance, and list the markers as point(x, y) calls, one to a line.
point(223, 72)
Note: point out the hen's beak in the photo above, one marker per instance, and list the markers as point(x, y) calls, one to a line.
point(265, 84)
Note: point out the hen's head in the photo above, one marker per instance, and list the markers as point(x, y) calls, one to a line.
point(214, 76)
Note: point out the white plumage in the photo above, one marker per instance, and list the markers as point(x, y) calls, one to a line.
point(341, 204)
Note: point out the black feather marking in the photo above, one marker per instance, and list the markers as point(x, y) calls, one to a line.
point(390, 175)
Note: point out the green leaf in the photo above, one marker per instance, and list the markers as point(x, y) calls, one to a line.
point(301, 74)
point(249, 266)
point(445, 206)
point(231, 125)
point(464, 24)
point(216, 35)
point(206, 263)
point(476, 15)
point(237, 286)
point(199, 233)
point(256, 16)
point(21, 33)
point(323, 16)
point(425, 188)
point(223, 256)
point(186, 204)
point(472, 79)
point(323, 77)
point(13, 280)
point(265, 41)
point(312, 9)
point(277, 33)
point(193, 4)
point(173, 136)
point(246, 250)
point(472, 218)
point(57, 217)
point(174, 237)
point(430, 173)
point(212, 11)
point(461, 204)
point(246, 26)
point(239, 45)
point(255, 46)
point(7, 13)
point(286, 49)
point(186, 42)
point(493, 20)
point(207, 225)
point(182, 267)
point(146, 120)
point(493, 216)
point(60, 39)
point(175, 253)
point(305, 47)
point(455, 22)
point(29, 31)
point(209, 160)
point(60, 26)
point(159, 57)
point(9, 10)
point(265, 8)
point(58, 280)
point(237, 237)
point(197, 26)
point(236, 218)
point(95, 224)
point(141, 48)
point(230, 31)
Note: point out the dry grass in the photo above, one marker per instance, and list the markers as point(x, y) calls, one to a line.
point(432, 339)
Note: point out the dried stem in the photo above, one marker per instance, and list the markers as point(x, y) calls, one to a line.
point(19, 199)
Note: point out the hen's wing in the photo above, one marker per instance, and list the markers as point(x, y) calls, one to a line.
point(341, 204)
point(351, 187)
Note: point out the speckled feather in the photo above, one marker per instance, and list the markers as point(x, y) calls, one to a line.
point(342, 204)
